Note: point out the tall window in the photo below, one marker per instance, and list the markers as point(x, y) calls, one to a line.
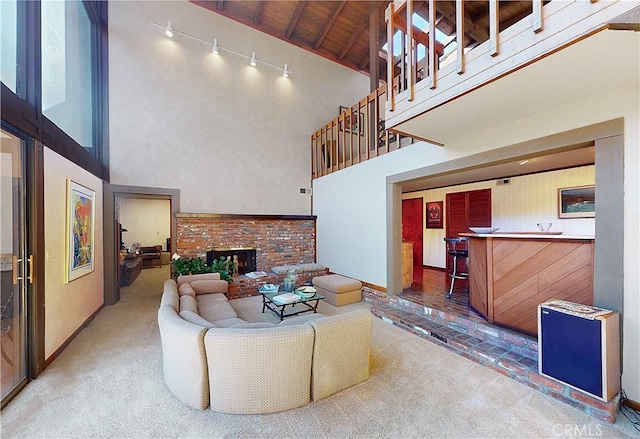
point(67, 87)
point(9, 44)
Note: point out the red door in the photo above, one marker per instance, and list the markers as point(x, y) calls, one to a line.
point(412, 227)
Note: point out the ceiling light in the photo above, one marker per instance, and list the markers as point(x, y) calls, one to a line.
point(524, 162)
point(169, 30)
point(286, 71)
point(215, 49)
point(253, 59)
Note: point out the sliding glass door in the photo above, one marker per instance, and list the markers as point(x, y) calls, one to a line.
point(14, 262)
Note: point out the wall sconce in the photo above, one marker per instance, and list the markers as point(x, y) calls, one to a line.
point(216, 48)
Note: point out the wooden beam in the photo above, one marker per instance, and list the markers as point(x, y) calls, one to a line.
point(327, 24)
point(472, 31)
point(459, 37)
point(494, 25)
point(356, 35)
point(401, 23)
point(294, 18)
point(374, 46)
point(257, 16)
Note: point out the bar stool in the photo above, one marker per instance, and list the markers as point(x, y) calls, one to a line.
point(457, 248)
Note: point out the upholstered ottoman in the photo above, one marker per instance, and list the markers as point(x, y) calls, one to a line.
point(338, 290)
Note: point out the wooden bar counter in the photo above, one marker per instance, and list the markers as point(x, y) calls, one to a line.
point(511, 273)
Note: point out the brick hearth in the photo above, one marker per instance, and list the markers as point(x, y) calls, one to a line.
point(504, 351)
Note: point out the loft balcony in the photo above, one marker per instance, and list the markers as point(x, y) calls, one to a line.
point(431, 67)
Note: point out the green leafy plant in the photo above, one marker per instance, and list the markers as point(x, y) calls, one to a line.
point(184, 266)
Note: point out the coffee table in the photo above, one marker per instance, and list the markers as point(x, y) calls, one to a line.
point(305, 304)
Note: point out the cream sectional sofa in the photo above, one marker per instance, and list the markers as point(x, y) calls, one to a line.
point(213, 358)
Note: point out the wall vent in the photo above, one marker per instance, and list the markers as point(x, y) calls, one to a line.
point(503, 182)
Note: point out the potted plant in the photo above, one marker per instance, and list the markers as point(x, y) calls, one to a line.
point(182, 266)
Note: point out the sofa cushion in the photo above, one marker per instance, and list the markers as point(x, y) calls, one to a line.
point(209, 286)
point(284, 269)
point(188, 303)
point(312, 267)
point(205, 299)
point(186, 290)
point(217, 311)
point(228, 323)
point(192, 317)
point(254, 325)
point(300, 320)
point(188, 278)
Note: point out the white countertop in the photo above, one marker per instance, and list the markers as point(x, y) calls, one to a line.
point(527, 235)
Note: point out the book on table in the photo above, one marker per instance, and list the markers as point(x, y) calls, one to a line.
point(283, 299)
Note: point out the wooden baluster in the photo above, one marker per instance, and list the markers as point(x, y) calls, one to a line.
point(390, 61)
point(433, 55)
point(493, 27)
point(460, 36)
point(408, 48)
point(537, 15)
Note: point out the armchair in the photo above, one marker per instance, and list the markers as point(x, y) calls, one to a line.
point(151, 255)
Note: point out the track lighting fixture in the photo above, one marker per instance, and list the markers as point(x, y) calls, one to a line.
point(216, 48)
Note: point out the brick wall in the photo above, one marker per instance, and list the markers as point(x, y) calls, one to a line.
point(278, 240)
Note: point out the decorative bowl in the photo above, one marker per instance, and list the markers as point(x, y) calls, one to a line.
point(484, 230)
point(306, 292)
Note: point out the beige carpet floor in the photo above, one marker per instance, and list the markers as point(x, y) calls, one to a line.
point(108, 383)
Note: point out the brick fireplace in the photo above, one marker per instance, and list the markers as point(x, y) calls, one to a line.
point(277, 239)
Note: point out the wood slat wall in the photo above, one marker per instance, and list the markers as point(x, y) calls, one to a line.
point(528, 272)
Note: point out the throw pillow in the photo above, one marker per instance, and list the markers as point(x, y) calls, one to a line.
point(186, 290)
point(209, 286)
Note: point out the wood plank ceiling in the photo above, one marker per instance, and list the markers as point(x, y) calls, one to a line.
point(339, 30)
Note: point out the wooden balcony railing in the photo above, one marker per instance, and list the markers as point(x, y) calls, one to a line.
point(356, 135)
point(431, 67)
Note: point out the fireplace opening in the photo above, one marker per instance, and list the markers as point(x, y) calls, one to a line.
point(246, 257)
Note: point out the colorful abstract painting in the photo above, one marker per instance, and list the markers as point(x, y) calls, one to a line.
point(80, 230)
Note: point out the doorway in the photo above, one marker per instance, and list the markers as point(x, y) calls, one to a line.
point(16, 264)
point(112, 230)
point(412, 216)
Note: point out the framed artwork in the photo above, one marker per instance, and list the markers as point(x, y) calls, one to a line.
point(434, 214)
point(358, 124)
point(577, 202)
point(80, 248)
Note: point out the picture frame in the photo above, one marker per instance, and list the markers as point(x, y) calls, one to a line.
point(80, 233)
point(577, 202)
point(358, 126)
point(434, 214)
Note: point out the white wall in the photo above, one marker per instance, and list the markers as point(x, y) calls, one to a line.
point(67, 305)
point(351, 204)
point(148, 222)
point(517, 207)
point(232, 138)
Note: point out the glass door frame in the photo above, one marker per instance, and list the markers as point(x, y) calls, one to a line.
point(33, 245)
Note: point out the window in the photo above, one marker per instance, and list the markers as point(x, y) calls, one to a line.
point(9, 44)
point(67, 88)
